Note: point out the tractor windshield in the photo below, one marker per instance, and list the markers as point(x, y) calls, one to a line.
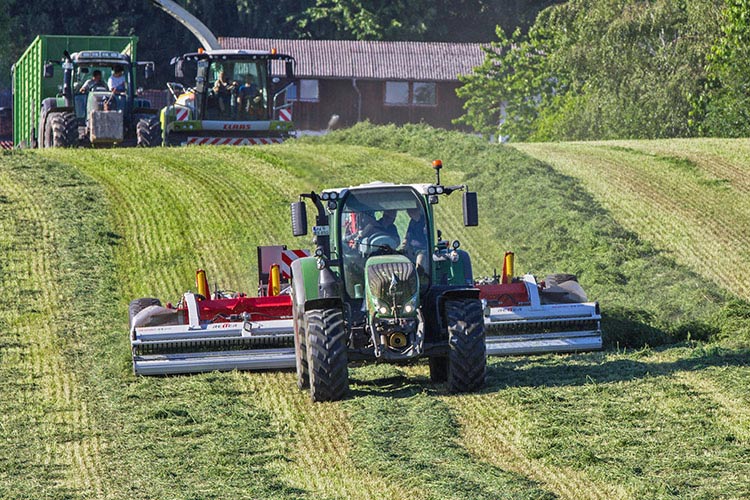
point(381, 221)
point(237, 90)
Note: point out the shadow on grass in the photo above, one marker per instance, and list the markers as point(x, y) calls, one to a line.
point(547, 371)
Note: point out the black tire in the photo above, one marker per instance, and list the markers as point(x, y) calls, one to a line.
point(64, 130)
point(139, 305)
point(148, 132)
point(467, 354)
point(327, 358)
point(438, 369)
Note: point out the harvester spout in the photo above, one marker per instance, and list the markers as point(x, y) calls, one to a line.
point(196, 27)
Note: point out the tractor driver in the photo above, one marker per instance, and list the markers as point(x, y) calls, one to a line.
point(93, 83)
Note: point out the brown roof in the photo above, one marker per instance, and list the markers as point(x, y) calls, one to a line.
point(367, 60)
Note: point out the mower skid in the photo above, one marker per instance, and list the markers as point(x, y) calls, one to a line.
point(514, 345)
point(252, 359)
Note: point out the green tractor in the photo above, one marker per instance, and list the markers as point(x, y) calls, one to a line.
point(87, 111)
point(383, 285)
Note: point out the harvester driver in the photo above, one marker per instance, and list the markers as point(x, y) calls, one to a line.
point(249, 98)
point(223, 90)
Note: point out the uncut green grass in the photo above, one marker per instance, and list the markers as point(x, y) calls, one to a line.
point(118, 224)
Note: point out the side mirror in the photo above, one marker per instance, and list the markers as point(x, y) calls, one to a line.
point(471, 210)
point(290, 70)
point(148, 72)
point(178, 73)
point(49, 70)
point(299, 218)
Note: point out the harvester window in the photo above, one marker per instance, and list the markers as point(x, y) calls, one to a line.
point(237, 91)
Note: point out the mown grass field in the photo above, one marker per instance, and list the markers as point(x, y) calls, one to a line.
point(662, 413)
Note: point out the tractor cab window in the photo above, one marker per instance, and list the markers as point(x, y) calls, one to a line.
point(378, 222)
point(237, 91)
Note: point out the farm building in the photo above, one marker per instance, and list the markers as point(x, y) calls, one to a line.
point(383, 82)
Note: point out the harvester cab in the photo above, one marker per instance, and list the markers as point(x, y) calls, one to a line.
point(88, 111)
point(380, 286)
point(233, 99)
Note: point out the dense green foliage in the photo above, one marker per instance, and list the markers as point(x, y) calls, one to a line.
point(84, 231)
point(592, 69)
point(723, 108)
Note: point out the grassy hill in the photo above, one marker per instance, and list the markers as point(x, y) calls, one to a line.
point(83, 232)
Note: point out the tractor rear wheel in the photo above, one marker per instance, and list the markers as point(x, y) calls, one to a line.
point(327, 357)
point(467, 354)
point(148, 132)
point(139, 305)
point(64, 129)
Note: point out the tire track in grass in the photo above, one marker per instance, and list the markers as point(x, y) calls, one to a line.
point(319, 438)
point(492, 430)
point(407, 432)
point(61, 440)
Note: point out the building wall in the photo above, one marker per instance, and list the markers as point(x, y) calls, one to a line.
point(339, 97)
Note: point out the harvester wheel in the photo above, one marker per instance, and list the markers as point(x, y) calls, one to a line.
point(148, 132)
point(139, 305)
point(327, 358)
point(438, 369)
point(64, 130)
point(467, 354)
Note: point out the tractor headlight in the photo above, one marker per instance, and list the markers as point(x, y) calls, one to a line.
point(411, 305)
point(383, 309)
point(324, 196)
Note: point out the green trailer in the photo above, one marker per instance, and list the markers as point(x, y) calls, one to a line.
point(50, 107)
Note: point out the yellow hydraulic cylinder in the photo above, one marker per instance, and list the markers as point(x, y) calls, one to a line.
point(201, 283)
point(274, 281)
point(507, 268)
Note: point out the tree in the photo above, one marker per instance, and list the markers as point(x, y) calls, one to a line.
point(597, 69)
point(723, 107)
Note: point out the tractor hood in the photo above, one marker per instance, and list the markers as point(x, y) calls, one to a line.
point(392, 286)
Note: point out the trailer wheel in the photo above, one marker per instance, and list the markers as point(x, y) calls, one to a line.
point(148, 132)
point(327, 358)
point(139, 305)
point(438, 369)
point(64, 129)
point(467, 353)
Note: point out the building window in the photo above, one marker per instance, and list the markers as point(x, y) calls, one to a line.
point(410, 93)
point(424, 94)
point(304, 90)
point(397, 93)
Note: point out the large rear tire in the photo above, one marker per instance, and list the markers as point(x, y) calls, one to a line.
point(139, 305)
point(327, 357)
point(64, 130)
point(300, 351)
point(467, 354)
point(148, 132)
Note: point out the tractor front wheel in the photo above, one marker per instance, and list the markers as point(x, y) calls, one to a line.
point(327, 357)
point(467, 354)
